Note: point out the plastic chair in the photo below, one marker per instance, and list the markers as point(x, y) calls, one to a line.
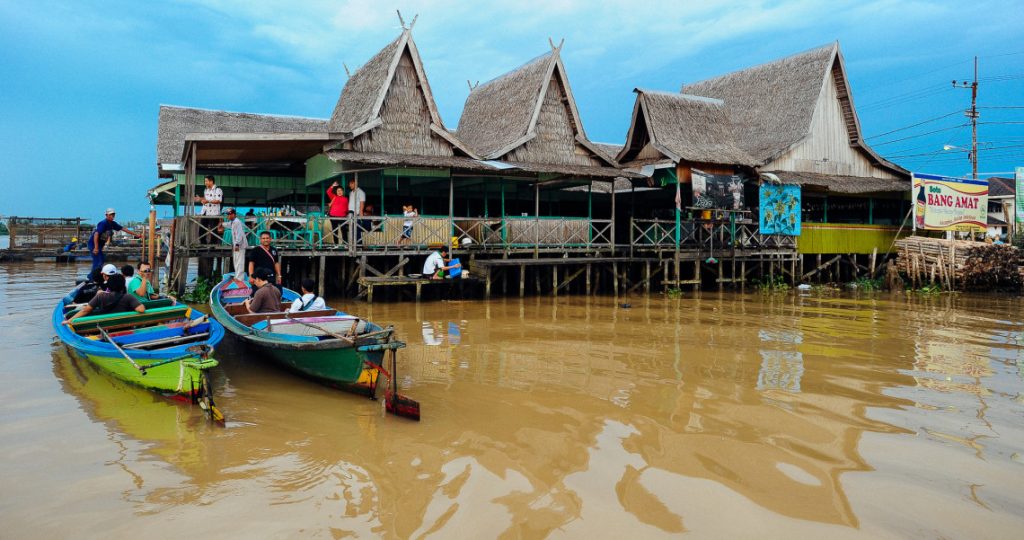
point(314, 231)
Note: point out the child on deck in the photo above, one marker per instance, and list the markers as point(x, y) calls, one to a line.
point(409, 212)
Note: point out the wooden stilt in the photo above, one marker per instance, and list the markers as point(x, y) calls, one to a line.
point(522, 280)
point(554, 280)
point(615, 278)
point(589, 290)
point(647, 277)
point(321, 277)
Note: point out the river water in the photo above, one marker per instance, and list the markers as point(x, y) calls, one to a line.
point(722, 415)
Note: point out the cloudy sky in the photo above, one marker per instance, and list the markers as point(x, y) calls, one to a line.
point(81, 81)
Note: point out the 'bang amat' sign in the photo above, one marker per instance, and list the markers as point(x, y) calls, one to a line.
point(944, 203)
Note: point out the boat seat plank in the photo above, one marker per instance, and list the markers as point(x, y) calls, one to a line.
point(110, 320)
point(252, 318)
point(163, 343)
point(144, 337)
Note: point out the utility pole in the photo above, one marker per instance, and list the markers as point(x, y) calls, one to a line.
point(972, 113)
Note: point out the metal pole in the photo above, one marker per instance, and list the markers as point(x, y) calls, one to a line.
point(974, 122)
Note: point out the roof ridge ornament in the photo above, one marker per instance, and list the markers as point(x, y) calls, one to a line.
point(556, 47)
point(401, 21)
point(348, 74)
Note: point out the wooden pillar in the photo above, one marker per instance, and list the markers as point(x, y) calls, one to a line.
point(536, 280)
point(321, 277)
point(487, 284)
point(743, 274)
point(647, 277)
point(612, 235)
point(589, 290)
point(451, 207)
point(696, 274)
point(536, 226)
point(522, 280)
point(554, 280)
point(615, 277)
point(720, 276)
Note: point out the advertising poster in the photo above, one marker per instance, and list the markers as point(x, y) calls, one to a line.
point(944, 203)
point(1019, 198)
point(780, 209)
point(717, 191)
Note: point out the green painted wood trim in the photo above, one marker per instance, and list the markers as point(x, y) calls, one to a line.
point(415, 171)
point(255, 182)
point(320, 168)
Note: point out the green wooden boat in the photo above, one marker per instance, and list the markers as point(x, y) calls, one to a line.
point(328, 346)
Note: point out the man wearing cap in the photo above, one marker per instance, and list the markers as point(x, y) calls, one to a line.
point(101, 235)
point(239, 244)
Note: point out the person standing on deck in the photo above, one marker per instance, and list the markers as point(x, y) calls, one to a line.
point(356, 205)
point(337, 211)
point(101, 236)
point(266, 256)
point(211, 199)
point(239, 243)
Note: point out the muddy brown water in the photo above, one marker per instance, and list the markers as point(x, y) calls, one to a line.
point(721, 415)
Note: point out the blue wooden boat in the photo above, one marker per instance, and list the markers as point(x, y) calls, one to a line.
point(167, 348)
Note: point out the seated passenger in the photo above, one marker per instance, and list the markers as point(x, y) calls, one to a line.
point(309, 301)
point(267, 298)
point(114, 300)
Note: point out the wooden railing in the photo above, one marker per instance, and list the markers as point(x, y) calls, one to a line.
point(703, 234)
point(386, 234)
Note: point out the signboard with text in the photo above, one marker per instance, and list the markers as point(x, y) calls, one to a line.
point(944, 203)
point(1019, 196)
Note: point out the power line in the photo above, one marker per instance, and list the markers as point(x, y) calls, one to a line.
point(921, 135)
point(914, 125)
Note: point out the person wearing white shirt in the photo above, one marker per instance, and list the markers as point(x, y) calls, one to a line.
point(211, 199)
point(239, 243)
point(434, 265)
point(357, 207)
point(309, 301)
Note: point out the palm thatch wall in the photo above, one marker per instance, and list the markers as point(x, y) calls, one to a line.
point(555, 140)
point(406, 119)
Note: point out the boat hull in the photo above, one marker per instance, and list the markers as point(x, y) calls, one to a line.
point(173, 370)
point(331, 362)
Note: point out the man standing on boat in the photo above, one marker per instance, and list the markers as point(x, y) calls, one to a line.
point(101, 236)
point(266, 256)
point(239, 243)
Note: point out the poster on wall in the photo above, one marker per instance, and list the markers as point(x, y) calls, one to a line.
point(717, 191)
point(780, 209)
point(944, 203)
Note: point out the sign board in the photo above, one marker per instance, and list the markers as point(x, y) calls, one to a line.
point(1019, 196)
point(717, 191)
point(944, 203)
point(780, 210)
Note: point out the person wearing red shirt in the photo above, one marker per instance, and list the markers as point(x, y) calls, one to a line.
point(338, 210)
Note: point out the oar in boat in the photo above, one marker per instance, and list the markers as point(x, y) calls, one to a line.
point(110, 340)
point(394, 402)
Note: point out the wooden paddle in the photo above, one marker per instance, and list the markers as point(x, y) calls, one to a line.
point(110, 340)
point(394, 402)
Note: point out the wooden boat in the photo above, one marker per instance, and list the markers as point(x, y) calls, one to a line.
point(329, 346)
point(167, 348)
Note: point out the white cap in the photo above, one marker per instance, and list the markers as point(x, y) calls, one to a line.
point(109, 211)
point(109, 270)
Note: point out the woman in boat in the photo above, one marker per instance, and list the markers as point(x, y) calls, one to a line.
point(114, 300)
point(309, 301)
point(267, 298)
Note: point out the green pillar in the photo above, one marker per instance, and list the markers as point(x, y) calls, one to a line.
point(504, 233)
point(824, 218)
point(871, 211)
point(177, 198)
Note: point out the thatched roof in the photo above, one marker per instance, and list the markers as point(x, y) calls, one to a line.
point(843, 184)
point(771, 105)
point(390, 159)
point(387, 106)
point(174, 123)
point(528, 116)
point(682, 127)
point(608, 149)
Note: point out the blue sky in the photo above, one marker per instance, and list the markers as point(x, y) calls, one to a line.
point(81, 81)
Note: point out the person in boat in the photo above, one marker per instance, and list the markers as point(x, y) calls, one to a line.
point(435, 266)
point(128, 271)
point(239, 244)
point(101, 236)
point(141, 284)
point(114, 300)
point(309, 301)
point(267, 298)
point(265, 256)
